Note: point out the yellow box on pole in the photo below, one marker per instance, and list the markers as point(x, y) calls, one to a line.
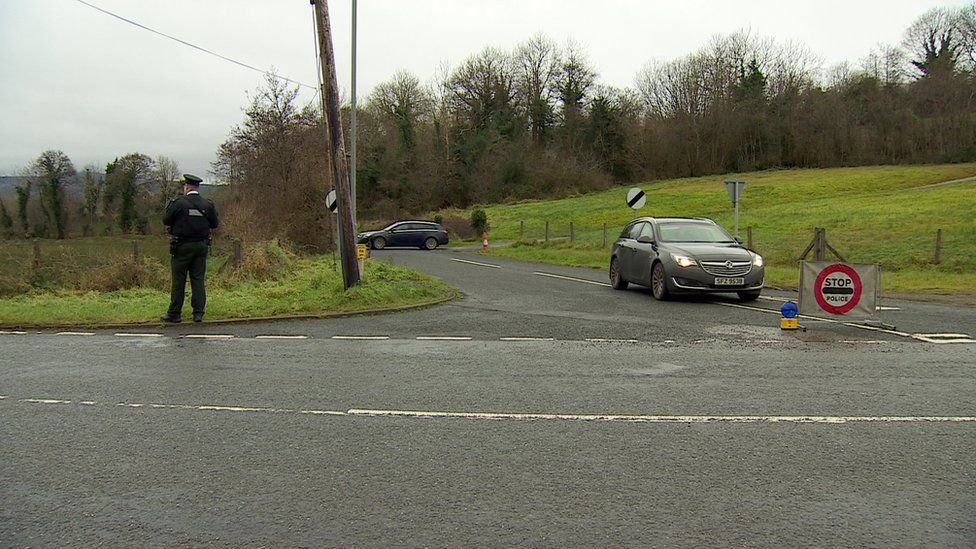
point(361, 251)
point(789, 323)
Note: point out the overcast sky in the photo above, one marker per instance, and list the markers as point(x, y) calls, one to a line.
point(75, 79)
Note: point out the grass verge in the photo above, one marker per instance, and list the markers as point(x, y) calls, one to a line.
point(312, 287)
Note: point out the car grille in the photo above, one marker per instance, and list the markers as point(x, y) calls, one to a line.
point(726, 268)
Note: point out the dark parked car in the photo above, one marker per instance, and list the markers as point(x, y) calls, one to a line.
point(677, 255)
point(425, 235)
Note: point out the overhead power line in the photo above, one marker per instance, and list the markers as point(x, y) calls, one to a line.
point(194, 46)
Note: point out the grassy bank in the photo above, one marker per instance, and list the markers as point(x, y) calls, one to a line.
point(310, 286)
point(872, 215)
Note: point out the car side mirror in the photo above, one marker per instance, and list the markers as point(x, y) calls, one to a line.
point(643, 239)
point(738, 240)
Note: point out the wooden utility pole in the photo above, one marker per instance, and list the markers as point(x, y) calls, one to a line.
point(337, 148)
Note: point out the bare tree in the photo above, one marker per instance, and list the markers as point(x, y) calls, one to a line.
point(404, 102)
point(93, 187)
point(52, 171)
point(538, 63)
point(934, 42)
point(165, 177)
point(885, 63)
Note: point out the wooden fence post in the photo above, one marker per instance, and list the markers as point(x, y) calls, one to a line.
point(135, 251)
point(522, 230)
point(238, 252)
point(37, 254)
point(604, 235)
point(938, 246)
point(572, 232)
point(749, 237)
point(547, 231)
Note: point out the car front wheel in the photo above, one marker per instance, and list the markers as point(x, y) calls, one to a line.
point(430, 243)
point(378, 243)
point(616, 280)
point(659, 282)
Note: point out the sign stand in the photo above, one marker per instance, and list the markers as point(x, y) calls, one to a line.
point(735, 187)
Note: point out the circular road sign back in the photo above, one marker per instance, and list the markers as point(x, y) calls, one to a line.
point(330, 201)
point(636, 198)
point(837, 289)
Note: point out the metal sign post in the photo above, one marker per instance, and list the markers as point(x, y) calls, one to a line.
point(735, 187)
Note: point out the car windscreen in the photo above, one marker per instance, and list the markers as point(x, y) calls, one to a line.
point(693, 232)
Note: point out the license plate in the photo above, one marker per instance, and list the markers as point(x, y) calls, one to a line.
point(730, 281)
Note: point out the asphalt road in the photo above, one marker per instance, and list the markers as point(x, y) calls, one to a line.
point(563, 413)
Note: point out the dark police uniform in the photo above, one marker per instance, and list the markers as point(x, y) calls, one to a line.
point(189, 219)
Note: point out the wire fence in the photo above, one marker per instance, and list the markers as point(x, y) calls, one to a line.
point(895, 248)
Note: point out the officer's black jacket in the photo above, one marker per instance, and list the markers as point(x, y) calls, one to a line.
point(190, 217)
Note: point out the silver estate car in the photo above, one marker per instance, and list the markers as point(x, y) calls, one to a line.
point(684, 255)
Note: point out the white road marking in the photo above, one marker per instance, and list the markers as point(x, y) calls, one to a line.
point(75, 333)
point(944, 338)
point(865, 341)
point(527, 339)
point(572, 278)
point(208, 336)
point(632, 418)
point(816, 318)
point(8, 332)
point(444, 338)
point(127, 334)
point(665, 418)
point(885, 308)
point(477, 263)
point(3, 397)
point(609, 340)
point(281, 337)
point(361, 338)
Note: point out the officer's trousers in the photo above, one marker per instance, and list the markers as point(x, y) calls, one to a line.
point(188, 258)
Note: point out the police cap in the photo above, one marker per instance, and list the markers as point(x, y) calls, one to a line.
point(191, 179)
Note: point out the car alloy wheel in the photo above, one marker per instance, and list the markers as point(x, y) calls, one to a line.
point(378, 243)
point(430, 243)
point(659, 284)
point(616, 280)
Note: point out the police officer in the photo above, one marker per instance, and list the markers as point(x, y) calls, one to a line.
point(189, 220)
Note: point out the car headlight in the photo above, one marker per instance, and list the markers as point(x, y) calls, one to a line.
point(683, 260)
point(757, 260)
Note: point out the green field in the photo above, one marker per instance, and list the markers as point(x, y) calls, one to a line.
point(872, 215)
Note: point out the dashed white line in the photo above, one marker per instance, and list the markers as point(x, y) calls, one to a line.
point(281, 337)
point(571, 278)
point(477, 263)
point(527, 339)
point(75, 333)
point(12, 332)
point(130, 334)
point(360, 338)
point(609, 340)
point(865, 341)
point(45, 401)
point(208, 336)
point(444, 338)
point(784, 300)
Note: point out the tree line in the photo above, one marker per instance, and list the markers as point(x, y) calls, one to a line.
point(53, 199)
point(537, 122)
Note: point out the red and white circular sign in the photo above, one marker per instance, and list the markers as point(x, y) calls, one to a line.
point(837, 289)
